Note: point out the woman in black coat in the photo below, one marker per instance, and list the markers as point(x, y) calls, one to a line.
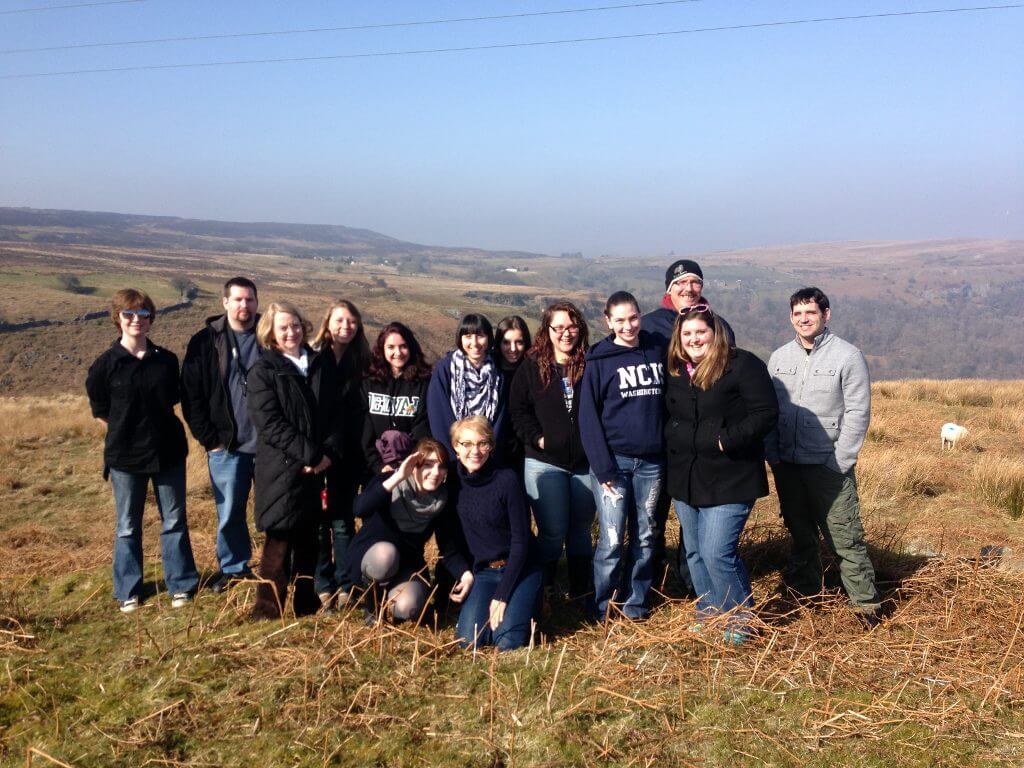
point(720, 405)
point(293, 403)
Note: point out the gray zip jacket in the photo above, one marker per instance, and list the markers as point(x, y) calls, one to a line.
point(824, 403)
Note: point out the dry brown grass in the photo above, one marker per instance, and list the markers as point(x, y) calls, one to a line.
point(940, 682)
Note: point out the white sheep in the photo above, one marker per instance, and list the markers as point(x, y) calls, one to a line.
point(951, 434)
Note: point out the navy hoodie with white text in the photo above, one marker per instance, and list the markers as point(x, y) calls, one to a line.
point(621, 407)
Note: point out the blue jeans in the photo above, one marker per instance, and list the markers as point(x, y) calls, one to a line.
point(523, 606)
point(563, 506)
point(231, 476)
point(712, 535)
point(335, 534)
point(637, 484)
point(180, 573)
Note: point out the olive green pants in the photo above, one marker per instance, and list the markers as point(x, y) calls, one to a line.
point(817, 499)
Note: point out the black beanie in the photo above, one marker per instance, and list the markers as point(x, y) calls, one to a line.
point(680, 268)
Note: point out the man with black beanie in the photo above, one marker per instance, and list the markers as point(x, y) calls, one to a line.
point(684, 286)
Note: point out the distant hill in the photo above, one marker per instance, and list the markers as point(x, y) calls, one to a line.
point(122, 230)
point(928, 308)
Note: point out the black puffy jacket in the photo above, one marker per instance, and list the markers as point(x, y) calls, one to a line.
point(298, 422)
point(739, 409)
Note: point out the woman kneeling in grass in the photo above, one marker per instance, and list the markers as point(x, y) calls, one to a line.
point(401, 510)
point(504, 587)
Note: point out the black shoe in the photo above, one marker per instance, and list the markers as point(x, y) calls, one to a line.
point(225, 581)
point(868, 619)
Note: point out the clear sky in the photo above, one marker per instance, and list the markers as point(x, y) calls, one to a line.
point(896, 128)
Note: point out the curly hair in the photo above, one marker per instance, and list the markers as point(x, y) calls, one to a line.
point(543, 351)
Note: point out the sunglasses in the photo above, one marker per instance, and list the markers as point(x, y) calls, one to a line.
point(701, 307)
point(142, 314)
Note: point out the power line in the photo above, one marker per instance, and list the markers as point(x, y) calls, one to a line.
point(529, 44)
point(358, 27)
point(37, 8)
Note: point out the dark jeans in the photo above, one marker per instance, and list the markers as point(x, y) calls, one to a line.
point(129, 488)
point(335, 536)
point(817, 499)
point(287, 556)
point(231, 476)
point(473, 627)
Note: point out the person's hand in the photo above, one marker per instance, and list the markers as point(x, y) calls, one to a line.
point(610, 490)
point(218, 449)
point(540, 443)
point(386, 469)
point(460, 590)
point(497, 613)
point(325, 462)
point(410, 463)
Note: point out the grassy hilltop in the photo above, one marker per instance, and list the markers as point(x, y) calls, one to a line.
point(940, 682)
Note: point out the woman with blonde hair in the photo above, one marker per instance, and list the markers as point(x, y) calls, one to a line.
point(502, 593)
point(341, 340)
point(720, 405)
point(293, 401)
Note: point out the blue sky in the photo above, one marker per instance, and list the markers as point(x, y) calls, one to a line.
point(899, 128)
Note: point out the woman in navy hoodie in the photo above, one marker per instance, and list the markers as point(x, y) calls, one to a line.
point(621, 421)
point(467, 382)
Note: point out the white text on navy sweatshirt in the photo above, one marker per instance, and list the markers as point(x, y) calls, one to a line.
point(621, 410)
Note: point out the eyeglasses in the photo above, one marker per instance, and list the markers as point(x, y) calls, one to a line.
point(561, 330)
point(142, 314)
point(701, 307)
point(481, 447)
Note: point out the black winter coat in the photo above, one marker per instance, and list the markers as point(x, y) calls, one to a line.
point(739, 409)
point(205, 399)
point(538, 411)
point(136, 397)
point(346, 476)
point(298, 422)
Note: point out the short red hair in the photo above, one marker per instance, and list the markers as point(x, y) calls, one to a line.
point(130, 298)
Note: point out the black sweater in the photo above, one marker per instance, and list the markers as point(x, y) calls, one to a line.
point(373, 505)
point(538, 411)
point(136, 397)
point(739, 409)
point(393, 404)
point(495, 523)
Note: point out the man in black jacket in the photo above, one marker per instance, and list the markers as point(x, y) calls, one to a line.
point(213, 384)
point(684, 287)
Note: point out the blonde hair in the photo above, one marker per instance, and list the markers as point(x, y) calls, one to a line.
point(713, 364)
point(265, 329)
point(477, 423)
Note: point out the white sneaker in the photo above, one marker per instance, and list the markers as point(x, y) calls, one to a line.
point(130, 605)
point(180, 599)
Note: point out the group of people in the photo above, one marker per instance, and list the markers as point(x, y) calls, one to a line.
point(505, 453)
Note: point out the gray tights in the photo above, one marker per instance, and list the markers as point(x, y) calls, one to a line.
point(406, 599)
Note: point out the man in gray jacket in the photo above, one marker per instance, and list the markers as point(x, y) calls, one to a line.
point(824, 397)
